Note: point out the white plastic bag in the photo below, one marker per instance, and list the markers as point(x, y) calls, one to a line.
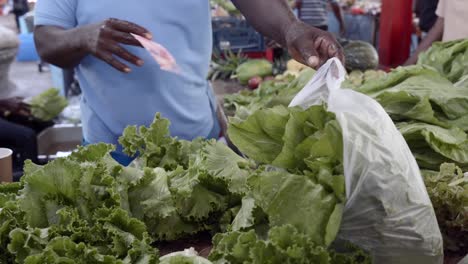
point(388, 211)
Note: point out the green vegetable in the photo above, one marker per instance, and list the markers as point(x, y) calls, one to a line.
point(433, 145)
point(48, 105)
point(448, 190)
point(253, 68)
point(284, 244)
point(360, 55)
point(450, 59)
point(419, 93)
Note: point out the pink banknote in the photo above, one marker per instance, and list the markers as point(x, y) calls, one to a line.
point(162, 56)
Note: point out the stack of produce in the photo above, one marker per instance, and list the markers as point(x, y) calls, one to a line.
point(450, 59)
point(431, 113)
point(448, 190)
point(48, 105)
point(88, 209)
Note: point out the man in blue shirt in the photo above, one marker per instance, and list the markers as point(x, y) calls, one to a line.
point(122, 85)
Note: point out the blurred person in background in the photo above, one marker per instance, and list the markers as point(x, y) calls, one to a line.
point(426, 12)
point(315, 13)
point(20, 7)
point(450, 25)
point(14, 135)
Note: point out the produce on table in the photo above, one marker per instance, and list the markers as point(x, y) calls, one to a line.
point(420, 93)
point(360, 55)
point(450, 59)
point(252, 68)
point(270, 93)
point(48, 105)
point(433, 112)
point(254, 82)
point(224, 66)
point(294, 66)
point(357, 78)
point(448, 190)
point(433, 145)
point(86, 208)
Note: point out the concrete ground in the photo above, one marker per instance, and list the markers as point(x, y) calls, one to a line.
point(25, 76)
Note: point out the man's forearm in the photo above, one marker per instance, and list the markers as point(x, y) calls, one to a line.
point(60, 47)
point(272, 18)
point(435, 34)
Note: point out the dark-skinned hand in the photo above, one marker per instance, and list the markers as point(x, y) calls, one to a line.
point(103, 40)
point(14, 106)
point(312, 46)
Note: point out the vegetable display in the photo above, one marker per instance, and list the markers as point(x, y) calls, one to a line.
point(450, 59)
point(86, 208)
point(253, 68)
point(448, 190)
point(48, 105)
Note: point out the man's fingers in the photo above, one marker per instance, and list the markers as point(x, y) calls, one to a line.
point(121, 37)
point(112, 61)
point(128, 27)
point(115, 49)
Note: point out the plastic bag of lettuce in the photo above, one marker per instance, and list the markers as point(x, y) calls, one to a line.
point(388, 211)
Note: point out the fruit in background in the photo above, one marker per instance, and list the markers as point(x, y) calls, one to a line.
point(254, 82)
point(361, 56)
point(295, 66)
point(253, 68)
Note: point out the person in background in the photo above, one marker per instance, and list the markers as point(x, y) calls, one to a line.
point(17, 137)
point(20, 7)
point(426, 12)
point(451, 17)
point(315, 13)
point(121, 83)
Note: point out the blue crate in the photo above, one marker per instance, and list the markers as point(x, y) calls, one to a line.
point(236, 34)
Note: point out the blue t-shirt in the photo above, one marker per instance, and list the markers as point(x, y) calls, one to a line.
point(113, 100)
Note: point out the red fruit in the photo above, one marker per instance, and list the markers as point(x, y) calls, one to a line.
point(254, 82)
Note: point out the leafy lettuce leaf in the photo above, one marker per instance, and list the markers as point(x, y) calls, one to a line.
point(48, 105)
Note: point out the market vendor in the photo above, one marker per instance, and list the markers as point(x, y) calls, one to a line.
point(450, 25)
point(121, 83)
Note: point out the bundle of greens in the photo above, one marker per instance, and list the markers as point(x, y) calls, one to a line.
point(86, 208)
point(448, 190)
point(70, 211)
point(433, 113)
point(280, 91)
point(450, 59)
point(48, 105)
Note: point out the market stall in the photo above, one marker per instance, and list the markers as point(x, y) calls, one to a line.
point(345, 164)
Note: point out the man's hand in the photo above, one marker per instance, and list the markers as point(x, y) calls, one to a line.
point(67, 47)
point(14, 106)
point(312, 46)
point(103, 41)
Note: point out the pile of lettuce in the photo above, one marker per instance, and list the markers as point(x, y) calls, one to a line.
point(86, 208)
point(450, 59)
point(448, 190)
point(48, 105)
point(429, 110)
point(270, 93)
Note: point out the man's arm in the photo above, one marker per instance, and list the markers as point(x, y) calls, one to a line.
point(274, 19)
point(339, 15)
point(67, 47)
point(435, 34)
